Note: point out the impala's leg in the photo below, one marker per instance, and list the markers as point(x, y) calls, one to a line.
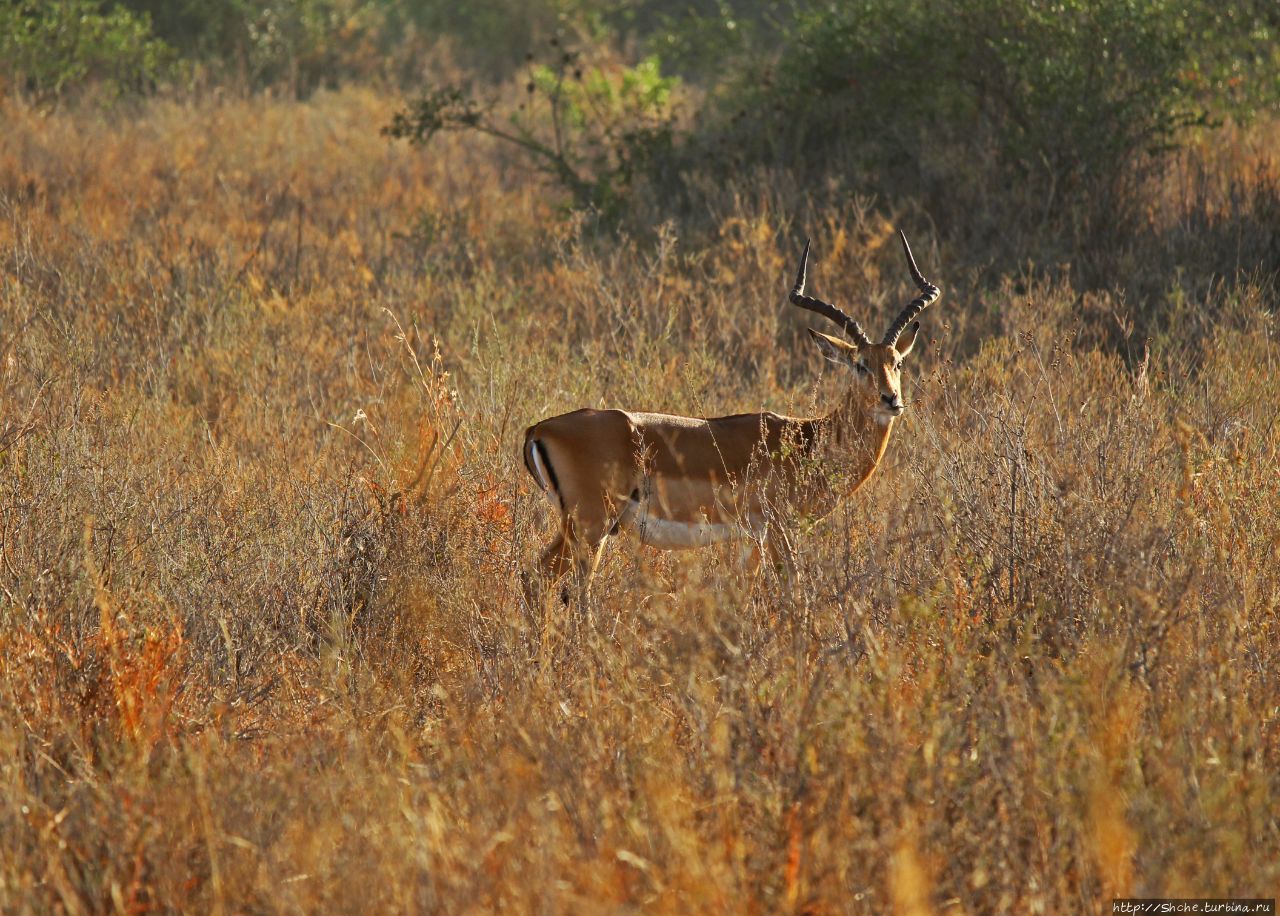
point(587, 546)
point(555, 559)
point(575, 551)
point(568, 469)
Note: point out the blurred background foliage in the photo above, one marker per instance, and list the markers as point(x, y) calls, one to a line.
point(264, 373)
point(1027, 132)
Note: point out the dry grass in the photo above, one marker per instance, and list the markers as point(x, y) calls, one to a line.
point(262, 645)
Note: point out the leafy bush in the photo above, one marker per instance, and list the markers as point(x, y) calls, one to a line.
point(297, 44)
point(51, 46)
point(490, 36)
point(1072, 96)
point(307, 43)
point(595, 129)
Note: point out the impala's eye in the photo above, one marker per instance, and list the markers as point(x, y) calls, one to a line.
point(862, 370)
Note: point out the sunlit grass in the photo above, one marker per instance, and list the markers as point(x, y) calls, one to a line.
point(262, 516)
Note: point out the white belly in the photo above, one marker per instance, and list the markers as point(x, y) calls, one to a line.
point(674, 535)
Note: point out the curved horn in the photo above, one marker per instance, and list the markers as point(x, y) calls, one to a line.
point(928, 295)
point(825, 309)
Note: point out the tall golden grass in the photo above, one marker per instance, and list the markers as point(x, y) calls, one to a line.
point(263, 376)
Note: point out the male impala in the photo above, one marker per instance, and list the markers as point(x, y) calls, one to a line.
point(686, 482)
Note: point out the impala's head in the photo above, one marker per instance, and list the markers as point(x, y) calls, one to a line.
point(877, 367)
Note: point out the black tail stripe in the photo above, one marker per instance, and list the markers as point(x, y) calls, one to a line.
point(546, 463)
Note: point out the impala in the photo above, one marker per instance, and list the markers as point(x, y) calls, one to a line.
point(682, 482)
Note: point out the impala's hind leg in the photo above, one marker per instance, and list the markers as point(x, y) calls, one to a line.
point(586, 544)
point(556, 558)
point(573, 555)
point(554, 563)
point(590, 508)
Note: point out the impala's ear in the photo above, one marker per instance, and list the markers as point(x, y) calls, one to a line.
point(835, 349)
point(908, 340)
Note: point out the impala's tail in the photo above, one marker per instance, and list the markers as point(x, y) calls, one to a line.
point(538, 463)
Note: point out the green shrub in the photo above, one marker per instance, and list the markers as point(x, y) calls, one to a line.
point(1073, 97)
point(594, 129)
point(51, 46)
point(299, 45)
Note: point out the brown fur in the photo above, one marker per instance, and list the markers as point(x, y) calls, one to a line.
point(739, 471)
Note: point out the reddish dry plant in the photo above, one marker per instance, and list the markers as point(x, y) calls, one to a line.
point(1032, 664)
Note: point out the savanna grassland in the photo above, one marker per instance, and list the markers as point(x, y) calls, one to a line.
point(264, 375)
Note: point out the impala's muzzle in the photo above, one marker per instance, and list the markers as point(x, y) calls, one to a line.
point(892, 403)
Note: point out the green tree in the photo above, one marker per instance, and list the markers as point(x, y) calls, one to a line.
point(1073, 96)
point(594, 130)
point(48, 47)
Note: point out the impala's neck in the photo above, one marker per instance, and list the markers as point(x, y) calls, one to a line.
point(857, 436)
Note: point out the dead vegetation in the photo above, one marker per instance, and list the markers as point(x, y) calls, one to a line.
point(262, 514)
